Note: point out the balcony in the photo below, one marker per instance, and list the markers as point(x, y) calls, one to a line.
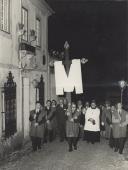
point(28, 48)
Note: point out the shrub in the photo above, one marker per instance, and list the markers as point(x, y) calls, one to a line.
point(17, 141)
point(11, 144)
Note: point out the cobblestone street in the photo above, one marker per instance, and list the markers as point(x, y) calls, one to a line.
point(55, 156)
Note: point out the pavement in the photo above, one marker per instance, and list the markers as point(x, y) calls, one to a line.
point(55, 156)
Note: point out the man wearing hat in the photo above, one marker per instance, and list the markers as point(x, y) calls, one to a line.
point(92, 124)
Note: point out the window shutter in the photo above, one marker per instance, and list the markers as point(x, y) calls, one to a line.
point(38, 32)
point(1, 14)
point(25, 23)
point(4, 15)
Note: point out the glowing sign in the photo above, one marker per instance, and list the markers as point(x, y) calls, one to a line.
point(66, 83)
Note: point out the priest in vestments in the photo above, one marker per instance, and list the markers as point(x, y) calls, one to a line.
point(92, 124)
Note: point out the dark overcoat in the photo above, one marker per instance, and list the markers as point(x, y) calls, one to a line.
point(72, 124)
point(107, 119)
point(37, 131)
point(115, 124)
point(119, 124)
point(124, 122)
point(60, 116)
point(52, 118)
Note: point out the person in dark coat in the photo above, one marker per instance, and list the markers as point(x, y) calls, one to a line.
point(60, 117)
point(72, 126)
point(102, 120)
point(111, 140)
point(37, 119)
point(48, 128)
point(65, 103)
point(119, 127)
point(107, 119)
point(79, 109)
point(51, 121)
point(54, 122)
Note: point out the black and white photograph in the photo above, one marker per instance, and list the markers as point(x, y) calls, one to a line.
point(63, 84)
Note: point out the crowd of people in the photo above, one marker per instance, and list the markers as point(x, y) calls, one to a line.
point(74, 121)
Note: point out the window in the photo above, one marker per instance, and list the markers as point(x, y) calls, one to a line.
point(4, 15)
point(38, 32)
point(24, 20)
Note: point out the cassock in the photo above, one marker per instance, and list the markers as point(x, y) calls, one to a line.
point(92, 125)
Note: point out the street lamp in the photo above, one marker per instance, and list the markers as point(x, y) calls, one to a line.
point(122, 85)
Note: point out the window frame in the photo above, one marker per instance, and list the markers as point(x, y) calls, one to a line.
point(38, 44)
point(26, 10)
point(8, 31)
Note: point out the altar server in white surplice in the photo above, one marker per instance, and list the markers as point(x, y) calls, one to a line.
point(92, 124)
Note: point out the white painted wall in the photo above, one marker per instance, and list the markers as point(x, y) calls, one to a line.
point(8, 42)
point(9, 56)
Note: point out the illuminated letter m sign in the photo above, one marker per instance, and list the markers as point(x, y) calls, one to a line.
point(66, 83)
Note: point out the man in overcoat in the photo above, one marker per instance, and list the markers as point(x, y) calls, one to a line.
point(107, 119)
point(48, 129)
point(120, 122)
point(60, 117)
point(37, 119)
point(50, 109)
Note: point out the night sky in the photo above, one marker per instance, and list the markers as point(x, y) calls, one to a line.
point(96, 30)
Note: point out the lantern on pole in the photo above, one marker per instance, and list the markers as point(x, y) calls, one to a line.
point(122, 85)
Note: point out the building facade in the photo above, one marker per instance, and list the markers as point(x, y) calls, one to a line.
point(24, 73)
